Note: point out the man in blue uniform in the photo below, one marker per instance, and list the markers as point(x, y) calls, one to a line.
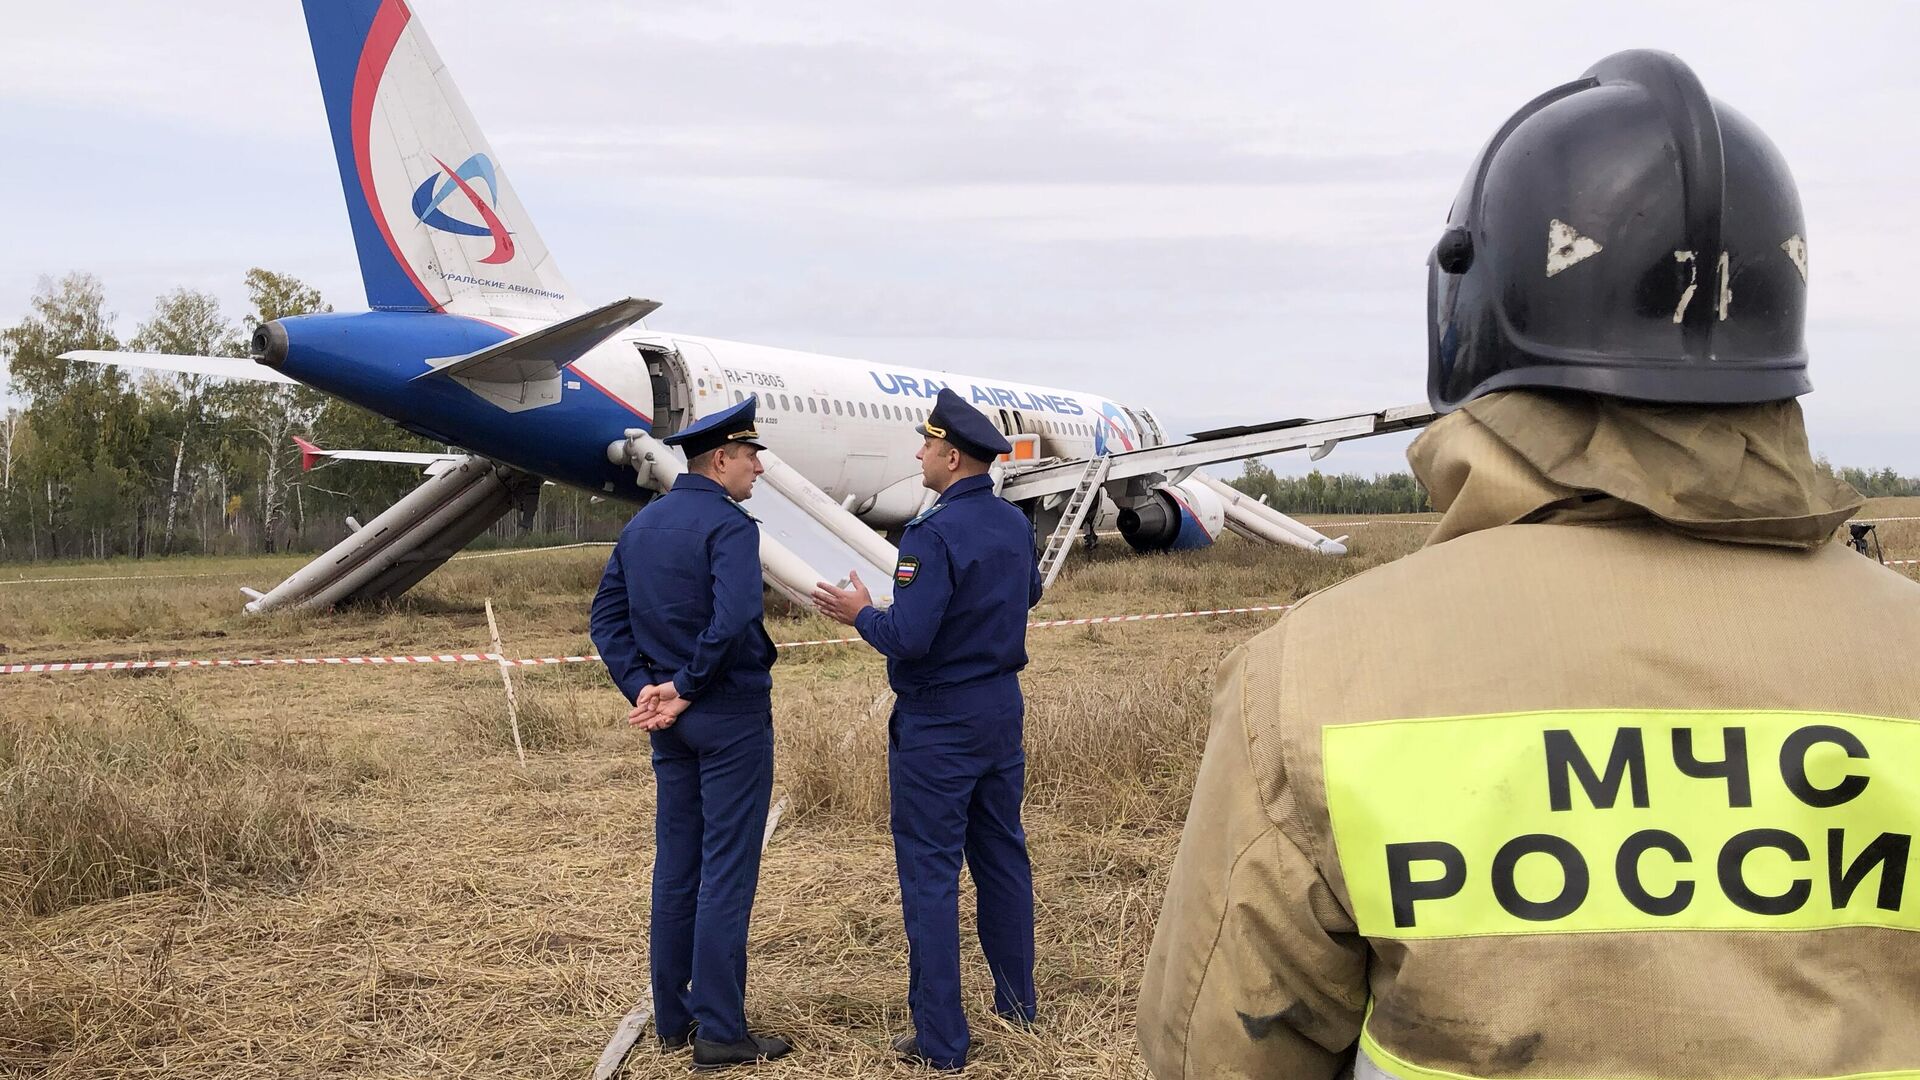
point(678, 622)
point(955, 641)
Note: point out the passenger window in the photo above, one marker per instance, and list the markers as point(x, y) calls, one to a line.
point(837, 410)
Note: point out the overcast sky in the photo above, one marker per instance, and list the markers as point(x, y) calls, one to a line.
point(1221, 211)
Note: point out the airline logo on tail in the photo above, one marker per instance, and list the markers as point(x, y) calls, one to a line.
point(434, 190)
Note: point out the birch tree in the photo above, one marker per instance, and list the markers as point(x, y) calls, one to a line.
point(185, 323)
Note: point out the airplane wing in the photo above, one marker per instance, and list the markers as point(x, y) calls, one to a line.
point(226, 367)
point(311, 454)
point(1214, 447)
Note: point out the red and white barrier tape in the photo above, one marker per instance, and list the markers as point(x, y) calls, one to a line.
point(245, 573)
point(115, 577)
point(494, 658)
point(531, 551)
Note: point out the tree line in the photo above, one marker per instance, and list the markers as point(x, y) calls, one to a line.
point(1400, 493)
point(99, 461)
point(1340, 493)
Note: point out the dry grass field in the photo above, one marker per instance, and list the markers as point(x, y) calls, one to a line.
point(304, 872)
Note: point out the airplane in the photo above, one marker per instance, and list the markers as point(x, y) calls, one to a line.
point(474, 339)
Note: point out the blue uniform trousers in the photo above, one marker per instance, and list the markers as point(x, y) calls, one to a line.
point(714, 775)
point(956, 783)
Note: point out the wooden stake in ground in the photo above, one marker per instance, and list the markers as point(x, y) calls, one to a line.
point(631, 1027)
point(506, 676)
point(773, 822)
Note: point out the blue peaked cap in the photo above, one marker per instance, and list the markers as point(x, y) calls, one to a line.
point(964, 426)
point(730, 425)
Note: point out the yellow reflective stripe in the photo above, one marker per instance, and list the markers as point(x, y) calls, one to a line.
point(1402, 1069)
point(1610, 820)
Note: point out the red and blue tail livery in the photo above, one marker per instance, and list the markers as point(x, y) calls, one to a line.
point(432, 235)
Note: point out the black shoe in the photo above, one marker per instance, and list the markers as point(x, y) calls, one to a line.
point(708, 1056)
point(908, 1047)
point(674, 1043)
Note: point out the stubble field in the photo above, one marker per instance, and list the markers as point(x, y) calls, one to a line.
point(343, 871)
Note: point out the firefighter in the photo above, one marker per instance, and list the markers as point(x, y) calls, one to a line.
point(1588, 786)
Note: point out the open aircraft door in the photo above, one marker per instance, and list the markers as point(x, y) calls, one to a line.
point(708, 389)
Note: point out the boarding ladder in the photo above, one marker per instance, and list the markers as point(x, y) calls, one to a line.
point(1072, 516)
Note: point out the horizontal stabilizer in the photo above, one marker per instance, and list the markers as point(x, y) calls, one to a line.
point(540, 354)
point(226, 367)
point(310, 455)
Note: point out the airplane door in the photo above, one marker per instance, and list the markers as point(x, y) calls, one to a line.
point(1152, 434)
point(709, 383)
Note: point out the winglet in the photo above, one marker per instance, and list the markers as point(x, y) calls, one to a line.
point(309, 453)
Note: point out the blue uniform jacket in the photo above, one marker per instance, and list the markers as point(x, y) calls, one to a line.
point(681, 599)
point(966, 578)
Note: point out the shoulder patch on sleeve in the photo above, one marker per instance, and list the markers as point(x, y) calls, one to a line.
point(907, 569)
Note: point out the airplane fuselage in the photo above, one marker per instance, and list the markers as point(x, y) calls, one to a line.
point(845, 424)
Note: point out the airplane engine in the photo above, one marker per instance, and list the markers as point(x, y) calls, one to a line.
point(1173, 517)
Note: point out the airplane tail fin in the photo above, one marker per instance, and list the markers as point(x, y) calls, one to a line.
point(436, 223)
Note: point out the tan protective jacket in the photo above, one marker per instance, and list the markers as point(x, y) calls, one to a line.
point(1617, 777)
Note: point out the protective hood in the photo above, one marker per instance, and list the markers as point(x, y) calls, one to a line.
point(1740, 474)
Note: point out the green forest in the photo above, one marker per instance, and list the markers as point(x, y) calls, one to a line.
point(1400, 493)
point(99, 461)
